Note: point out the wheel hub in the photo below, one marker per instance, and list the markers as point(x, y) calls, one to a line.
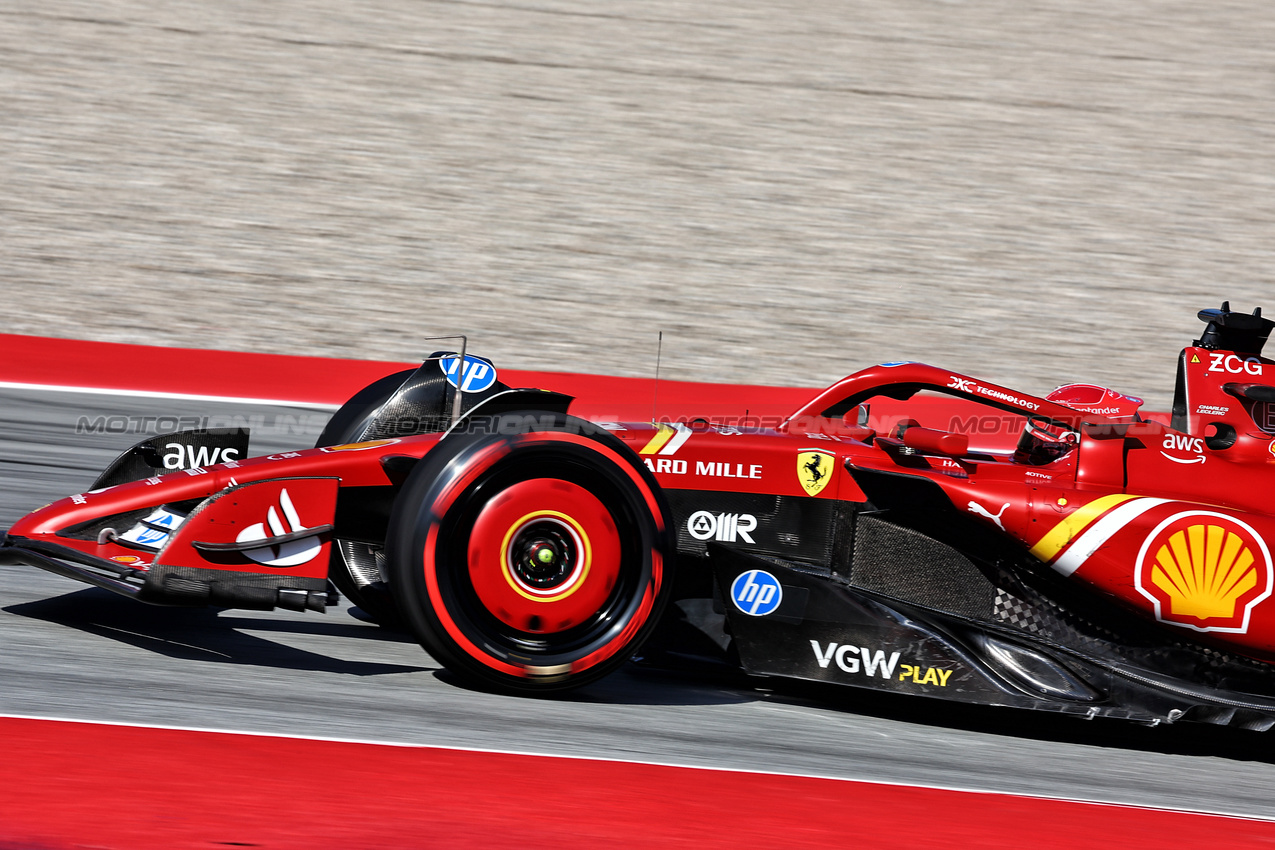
point(542, 556)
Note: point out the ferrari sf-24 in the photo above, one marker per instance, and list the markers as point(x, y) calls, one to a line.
point(909, 529)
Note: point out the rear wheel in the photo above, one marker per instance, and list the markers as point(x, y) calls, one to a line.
point(532, 554)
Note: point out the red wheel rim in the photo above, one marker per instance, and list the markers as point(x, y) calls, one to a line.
point(544, 555)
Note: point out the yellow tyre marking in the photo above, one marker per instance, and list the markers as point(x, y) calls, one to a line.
point(586, 547)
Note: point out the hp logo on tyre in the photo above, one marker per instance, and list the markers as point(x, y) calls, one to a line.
point(756, 593)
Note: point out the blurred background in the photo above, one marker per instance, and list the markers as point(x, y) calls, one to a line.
point(1031, 192)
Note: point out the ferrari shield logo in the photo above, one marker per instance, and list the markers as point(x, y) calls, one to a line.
point(814, 470)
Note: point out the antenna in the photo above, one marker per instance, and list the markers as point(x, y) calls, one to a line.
point(655, 390)
point(460, 381)
point(460, 370)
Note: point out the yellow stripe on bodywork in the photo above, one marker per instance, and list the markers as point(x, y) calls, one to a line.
point(663, 434)
point(1048, 547)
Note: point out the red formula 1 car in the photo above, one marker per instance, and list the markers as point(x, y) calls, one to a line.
point(909, 530)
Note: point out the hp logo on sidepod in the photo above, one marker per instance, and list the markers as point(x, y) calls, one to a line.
point(756, 593)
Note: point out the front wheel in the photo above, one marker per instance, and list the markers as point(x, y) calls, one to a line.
point(532, 553)
point(355, 568)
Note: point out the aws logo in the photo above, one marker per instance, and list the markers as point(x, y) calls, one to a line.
point(182, 456)
point(1204, 571)
point(1183, 443)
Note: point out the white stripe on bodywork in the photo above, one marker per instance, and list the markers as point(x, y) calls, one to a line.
point(1102, 531)
point(683, 434)
point(294, 520)
point(272, 517)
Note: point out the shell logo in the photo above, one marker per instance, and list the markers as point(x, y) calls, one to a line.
point(1204, 571)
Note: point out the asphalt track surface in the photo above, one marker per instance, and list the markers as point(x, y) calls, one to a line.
point(82, 653)
point(1028, 191)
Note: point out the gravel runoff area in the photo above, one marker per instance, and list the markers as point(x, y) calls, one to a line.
point(1027, 191)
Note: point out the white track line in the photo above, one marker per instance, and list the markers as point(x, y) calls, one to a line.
point(610, 760)
point(10, 385)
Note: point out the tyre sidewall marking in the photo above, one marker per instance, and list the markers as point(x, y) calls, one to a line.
point(577, 579)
